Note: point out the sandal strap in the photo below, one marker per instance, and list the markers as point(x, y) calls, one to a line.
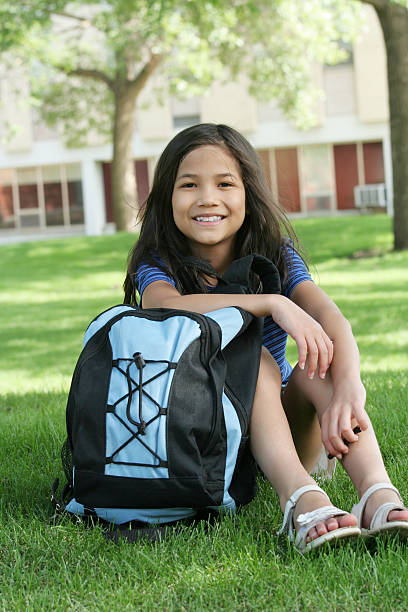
point(358, 509)
point(311, 519)
point(381, 514)
point(287, 525)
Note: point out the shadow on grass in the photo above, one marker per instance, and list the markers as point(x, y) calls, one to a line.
point(64, 257)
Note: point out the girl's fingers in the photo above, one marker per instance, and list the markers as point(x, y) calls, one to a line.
point(331, 448)
point(324, 358)
point(320, 354)
point(330, 349)
point(314, 347)
point(345, 412)
point(348, 434)
point(361, 415)
point(337, 444)
point(302, 352)
point(331, 437)
point(313, 358)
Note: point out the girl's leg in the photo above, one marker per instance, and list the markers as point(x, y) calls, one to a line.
point(273, 449)
point(363, 462)
point(303, 422)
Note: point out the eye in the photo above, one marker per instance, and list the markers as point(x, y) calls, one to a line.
point(226, 184)
point(187, 185)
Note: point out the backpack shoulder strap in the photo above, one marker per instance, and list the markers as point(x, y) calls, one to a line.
point(239, 271)
point(236, 279)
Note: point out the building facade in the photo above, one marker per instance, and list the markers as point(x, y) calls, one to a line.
point(342, 164)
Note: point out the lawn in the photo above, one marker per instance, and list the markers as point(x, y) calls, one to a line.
point(50, 291)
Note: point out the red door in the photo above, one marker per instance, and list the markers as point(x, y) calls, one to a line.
point(142, 185)
point(373, 162)
point(287, 175)
point(346, 172)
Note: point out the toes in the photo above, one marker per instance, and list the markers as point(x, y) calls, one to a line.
point(398, 515)
point(322, 528)
point(348, 520)
point(316, 532)
point(312, 535)
point(332, 524)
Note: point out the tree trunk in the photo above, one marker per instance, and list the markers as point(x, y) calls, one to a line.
point(124, 193)
point(394, 23)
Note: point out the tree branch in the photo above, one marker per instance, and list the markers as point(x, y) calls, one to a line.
point(84, 20)
point(137, 84)
point(377, 4)
point(89, 74)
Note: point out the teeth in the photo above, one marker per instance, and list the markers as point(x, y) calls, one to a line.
point(210, 219)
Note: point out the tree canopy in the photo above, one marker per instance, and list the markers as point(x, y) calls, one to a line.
point(193, 43)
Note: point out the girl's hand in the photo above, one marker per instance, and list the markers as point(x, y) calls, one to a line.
point(345, 412)
point(313, 344)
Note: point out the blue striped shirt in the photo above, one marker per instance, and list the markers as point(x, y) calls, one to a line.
point(274, 337)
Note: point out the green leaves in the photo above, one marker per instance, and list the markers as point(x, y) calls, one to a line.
point(16, 18)
point(274, 42)
point(81, 108)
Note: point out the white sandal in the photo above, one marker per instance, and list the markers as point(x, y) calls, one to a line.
point(379, 523)
point(311, 519)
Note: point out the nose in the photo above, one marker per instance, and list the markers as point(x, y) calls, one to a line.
point(206, 202)
point(207, 196)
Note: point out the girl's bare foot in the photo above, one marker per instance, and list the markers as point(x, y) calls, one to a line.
point(313, 500)
point(376, 499)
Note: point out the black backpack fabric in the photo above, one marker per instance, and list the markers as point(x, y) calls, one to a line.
point(159, 408)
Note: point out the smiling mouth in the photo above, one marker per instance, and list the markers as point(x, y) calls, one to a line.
point(212, 219)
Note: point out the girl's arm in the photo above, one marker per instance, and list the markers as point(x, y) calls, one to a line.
point(346, 408)
point(312, 341)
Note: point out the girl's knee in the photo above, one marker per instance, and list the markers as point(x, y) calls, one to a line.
point(310, 387)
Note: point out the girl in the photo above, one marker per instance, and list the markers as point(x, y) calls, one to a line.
point(210, 200)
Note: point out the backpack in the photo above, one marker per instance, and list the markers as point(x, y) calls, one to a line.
point(159, 407)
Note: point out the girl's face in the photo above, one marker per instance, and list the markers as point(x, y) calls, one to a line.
point(209, 199)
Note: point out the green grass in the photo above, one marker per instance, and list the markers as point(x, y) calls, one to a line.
point(49, 292)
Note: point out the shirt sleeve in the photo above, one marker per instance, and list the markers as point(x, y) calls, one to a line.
point(147, 274)
point(297, 270)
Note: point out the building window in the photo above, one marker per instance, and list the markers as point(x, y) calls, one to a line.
point(27, 188)
point(75, 199)
point(185, 121)
point(185, 112)
point(317, 178)
point(41, 196)
point(54, 210)
point(28, 201)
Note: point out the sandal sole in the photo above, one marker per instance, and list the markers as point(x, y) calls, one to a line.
point(331, 538)
point(394, 527)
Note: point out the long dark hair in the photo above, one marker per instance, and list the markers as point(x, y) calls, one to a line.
point(264, 230)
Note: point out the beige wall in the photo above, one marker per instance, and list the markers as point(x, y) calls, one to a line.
point(319, 109)
point(154, 118)
point(339, 86)
point(231, 104)
point(371, 72)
